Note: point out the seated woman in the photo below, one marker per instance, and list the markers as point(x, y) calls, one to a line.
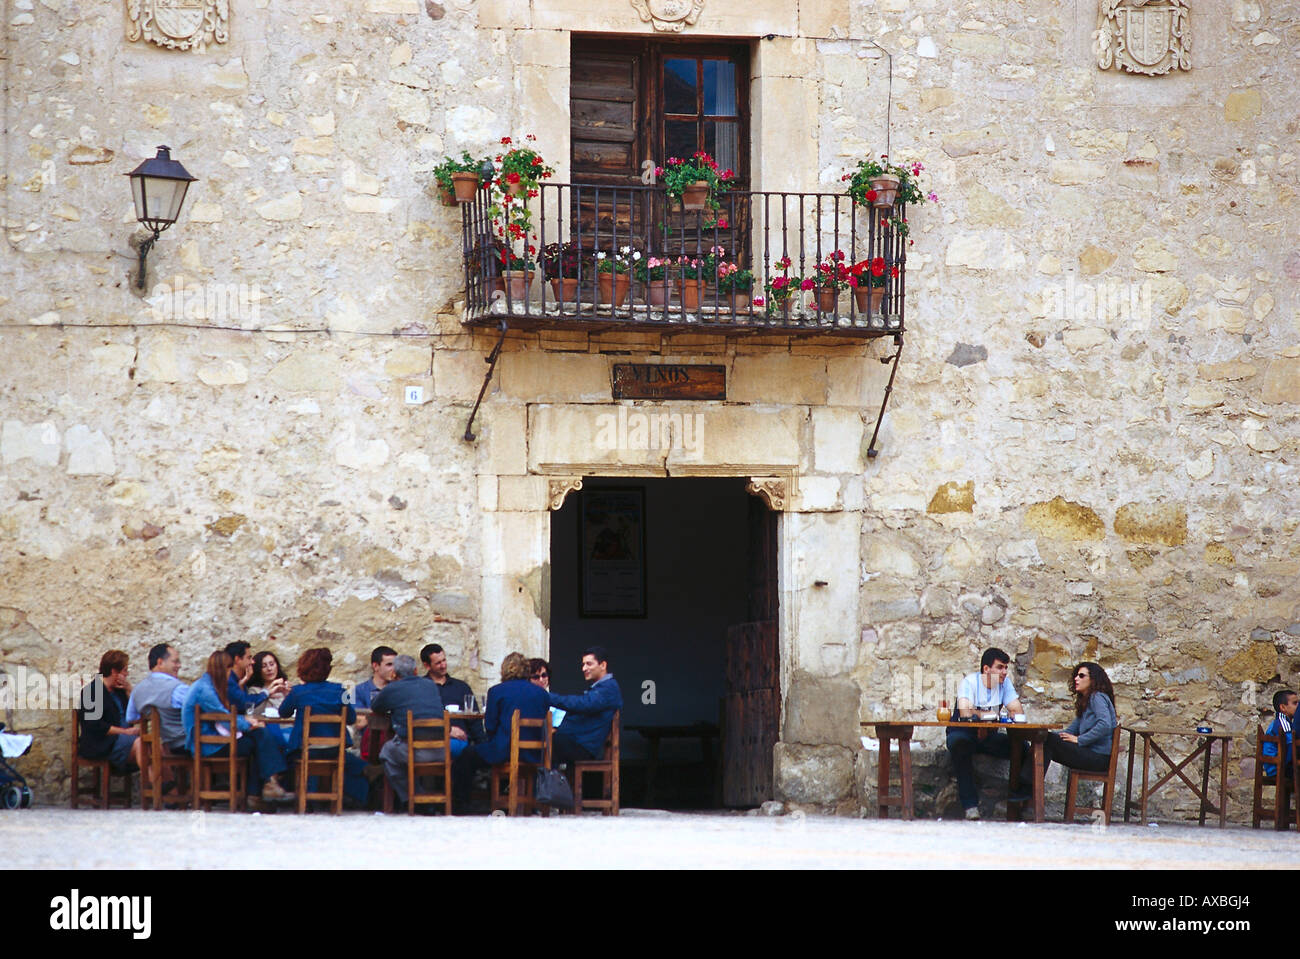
point(314, 667)
point(515, 692)
point(268, 677)
point(1085, 743)
point(210, 694)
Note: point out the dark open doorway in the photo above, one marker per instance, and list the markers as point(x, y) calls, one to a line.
point(676, 578)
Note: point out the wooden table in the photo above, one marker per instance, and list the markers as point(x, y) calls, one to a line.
point(1204, 745)
point(900, 730)
point(704, 732)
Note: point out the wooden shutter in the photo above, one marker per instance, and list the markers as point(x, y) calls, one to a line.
point(604, 93)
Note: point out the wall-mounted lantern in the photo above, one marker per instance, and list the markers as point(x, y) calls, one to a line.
point(158, 186)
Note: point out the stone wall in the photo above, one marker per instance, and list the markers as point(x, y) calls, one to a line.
point(1091, 444)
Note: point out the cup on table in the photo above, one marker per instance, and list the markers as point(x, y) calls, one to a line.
point(1021, 718)
point(468, 704)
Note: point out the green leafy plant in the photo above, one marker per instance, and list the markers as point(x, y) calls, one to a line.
point(780, 287)
point(449, 165)
point(677, 174)
point(734, 280)
point(909, 188)
point(619, 262)
point(831, 273)
point(651, 269)
point(510, 260)
point(522, 166)
point(561, 260)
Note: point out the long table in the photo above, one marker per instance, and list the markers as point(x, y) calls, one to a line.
point(1205, 746)
point(900, 731)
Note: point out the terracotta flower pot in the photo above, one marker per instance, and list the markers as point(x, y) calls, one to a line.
point(466, 185)
point(517, 283)
point(658, 292)
point(696, 196)
point(886, 188)
point(516, 189)
point(613, 287)
point(565, 289)
point(691, 293)
point(446, 197)
point(872, 295)
point(827, 299)
point(736, 301)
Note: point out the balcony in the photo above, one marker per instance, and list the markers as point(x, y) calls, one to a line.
point(757, 230)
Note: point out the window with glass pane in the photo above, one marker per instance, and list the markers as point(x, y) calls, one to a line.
point(701, 109)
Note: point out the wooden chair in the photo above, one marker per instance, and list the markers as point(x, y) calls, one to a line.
point(438, 768)
point(101, 794)
point(1283, 788)
point(511, 783)
point(607, 768)
point(328, 768)
point(234, 767)
point(1108, 778)
point(154, 755)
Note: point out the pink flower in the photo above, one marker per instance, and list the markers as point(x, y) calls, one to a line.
point(759, 301)
point(933, 197)
point(722, 223)
point(806, 285)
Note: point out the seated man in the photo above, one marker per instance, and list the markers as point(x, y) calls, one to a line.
point(163, 690)
point(104, 732)
point(240, 673)
point(1284, 704)
point(515, 693)
point(454, 692)
point(420, 695)
point(588, 717)
point(986, 691)
point(381, 674)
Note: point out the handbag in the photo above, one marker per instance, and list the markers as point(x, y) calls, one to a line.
point(552, 789)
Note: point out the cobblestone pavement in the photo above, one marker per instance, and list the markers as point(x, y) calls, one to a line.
point(87, 839)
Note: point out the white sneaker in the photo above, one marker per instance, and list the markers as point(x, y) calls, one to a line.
point(973, 813)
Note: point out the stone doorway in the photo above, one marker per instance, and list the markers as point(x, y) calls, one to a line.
point(691, 634)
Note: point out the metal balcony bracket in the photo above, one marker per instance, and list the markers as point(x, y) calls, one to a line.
point(491, 361)
point(889, 388)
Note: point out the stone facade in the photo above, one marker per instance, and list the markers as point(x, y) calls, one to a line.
point(1091, 445)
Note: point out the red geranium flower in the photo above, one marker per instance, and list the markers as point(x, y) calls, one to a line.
point(512, 177)
point(871, 196)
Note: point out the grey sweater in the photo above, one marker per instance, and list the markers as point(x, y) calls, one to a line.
point(1097, 724)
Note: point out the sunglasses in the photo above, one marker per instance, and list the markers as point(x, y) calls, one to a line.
point(541, 675)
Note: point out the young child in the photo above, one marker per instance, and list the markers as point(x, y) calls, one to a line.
point(1284, 703)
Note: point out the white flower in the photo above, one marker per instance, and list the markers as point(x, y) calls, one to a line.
point(636, 255)
point(625, 249)
point(600, 256)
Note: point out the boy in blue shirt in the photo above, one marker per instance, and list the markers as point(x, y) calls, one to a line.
point(1284, 703)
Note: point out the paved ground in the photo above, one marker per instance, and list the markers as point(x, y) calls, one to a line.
point(87, 839)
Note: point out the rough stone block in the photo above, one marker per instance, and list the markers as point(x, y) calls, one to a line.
point(812, 774)
point(1062, 519)
point(837, 440)
point(89, 454)
point(1164, 523)
point(779, 378)
point(953, 497)
point(504, 440)
point(555, 377)
point(522, 493)
point(1281, 382)
point(39, 442)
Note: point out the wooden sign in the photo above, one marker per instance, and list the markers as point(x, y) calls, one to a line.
point(669, 381)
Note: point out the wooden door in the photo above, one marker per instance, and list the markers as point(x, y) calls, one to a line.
point(752, 708)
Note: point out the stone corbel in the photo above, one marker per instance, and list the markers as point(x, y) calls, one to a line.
point(558, 488)
point(774, 490)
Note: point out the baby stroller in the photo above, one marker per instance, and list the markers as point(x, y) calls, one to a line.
point(13, 787)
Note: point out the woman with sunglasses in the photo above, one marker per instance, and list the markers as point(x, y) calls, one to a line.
point(1085, 743)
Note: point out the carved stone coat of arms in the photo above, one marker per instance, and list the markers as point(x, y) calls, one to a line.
point(178, 24)
point(1144, 36)
point(670, 16)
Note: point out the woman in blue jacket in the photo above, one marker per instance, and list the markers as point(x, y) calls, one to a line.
point(264, 745)
point(314, 667)
point(1085, 743)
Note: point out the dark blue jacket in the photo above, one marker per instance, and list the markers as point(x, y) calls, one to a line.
point(239, 698)
point(323, 697)
point(531, 700)
point(591, 714)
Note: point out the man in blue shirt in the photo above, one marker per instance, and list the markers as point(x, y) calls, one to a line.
point(381, 674)
point(988, 691)
point(241, 671)
point(163, 690)
point(588, 717)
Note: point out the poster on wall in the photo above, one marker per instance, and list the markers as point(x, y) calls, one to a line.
point(612, 552)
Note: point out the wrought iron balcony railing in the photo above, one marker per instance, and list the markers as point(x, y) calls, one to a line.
point(781, 238)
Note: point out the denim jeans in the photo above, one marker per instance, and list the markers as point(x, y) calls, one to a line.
point(963, 744)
